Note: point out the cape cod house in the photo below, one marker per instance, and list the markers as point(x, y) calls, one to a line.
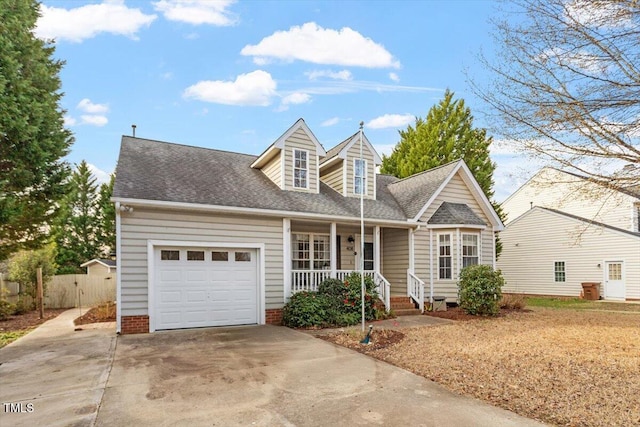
point(211, 238)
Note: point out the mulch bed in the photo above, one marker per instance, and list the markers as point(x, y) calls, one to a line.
point(97, 315)
point(456, 313)
point(29, 320)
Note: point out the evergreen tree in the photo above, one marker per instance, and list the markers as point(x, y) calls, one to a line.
point(447, 134)
point(33, 139)
point(107, 219)
point(77, 229)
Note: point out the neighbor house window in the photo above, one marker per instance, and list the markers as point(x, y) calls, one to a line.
point(559, 271)
point(310, 251)
point(444, 256)
point(469, 250)
point(300, 169)
point(359, 173)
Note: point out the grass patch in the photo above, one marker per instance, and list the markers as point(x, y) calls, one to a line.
point(580, 304)
point(7, 338)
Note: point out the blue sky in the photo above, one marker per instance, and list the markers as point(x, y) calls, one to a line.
point(235, 75)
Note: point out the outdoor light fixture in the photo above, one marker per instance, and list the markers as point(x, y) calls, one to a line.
point(350, 239)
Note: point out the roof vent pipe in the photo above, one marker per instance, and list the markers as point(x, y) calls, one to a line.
point(133, 127)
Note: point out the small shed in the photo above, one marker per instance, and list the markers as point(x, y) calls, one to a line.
point(100, 267)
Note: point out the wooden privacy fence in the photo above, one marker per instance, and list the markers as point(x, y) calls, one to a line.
point(72, 290)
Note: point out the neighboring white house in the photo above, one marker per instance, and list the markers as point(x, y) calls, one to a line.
point(562, 231)
point(211, 238)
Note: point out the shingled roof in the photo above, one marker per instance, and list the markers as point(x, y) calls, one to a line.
point(162, 171)
point(455, 213)
point(414, 192)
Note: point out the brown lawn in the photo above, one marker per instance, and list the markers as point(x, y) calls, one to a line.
point(564, 367)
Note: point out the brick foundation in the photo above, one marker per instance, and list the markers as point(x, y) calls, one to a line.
point(273, 316)
point(134, 325)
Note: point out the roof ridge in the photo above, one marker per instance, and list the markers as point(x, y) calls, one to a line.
point(189, 146)
point(424, 172)
point(588, 221)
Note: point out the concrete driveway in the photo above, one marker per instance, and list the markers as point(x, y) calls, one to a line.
point(257, 376)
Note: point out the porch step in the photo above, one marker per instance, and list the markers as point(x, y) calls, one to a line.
point(401, 303)
point(406, 312)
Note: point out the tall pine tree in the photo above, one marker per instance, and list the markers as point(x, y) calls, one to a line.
point(77, 228)
point(447, 134)
point(107, 219)
point(33, 139)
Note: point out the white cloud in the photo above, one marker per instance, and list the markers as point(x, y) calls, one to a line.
point(254, 88)
point(87, 106)
point(394, 77)
point(598, 14)
point(330, 122)
point(101, 176)
point(312, 43)
point(166, 76)
point(94, 120)
point(88, 21)
point(391, 121)
point(69, 121)
point(296, 98)
point(197, 12)
point(336, 75)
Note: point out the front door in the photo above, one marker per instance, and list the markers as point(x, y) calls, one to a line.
point(614, 280)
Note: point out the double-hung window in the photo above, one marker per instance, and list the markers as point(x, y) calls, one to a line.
point(359, 174)
point(300, 169)
point(310, 251)
point(559, 271)
point(469, 250)
point(444, 256)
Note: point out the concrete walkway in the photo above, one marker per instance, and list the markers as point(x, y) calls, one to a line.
point(55, 376)
point(255, 375)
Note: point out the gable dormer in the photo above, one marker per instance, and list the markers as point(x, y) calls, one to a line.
point(291, 162)
point(344, 171)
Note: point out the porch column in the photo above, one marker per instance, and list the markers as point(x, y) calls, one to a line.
point(376, 249)
point(286, 257)
point(334, 251)
point(411, 232)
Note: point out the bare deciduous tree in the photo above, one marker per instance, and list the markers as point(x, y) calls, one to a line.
point(566, 85)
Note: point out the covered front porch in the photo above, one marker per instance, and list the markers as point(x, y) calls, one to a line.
point(321, 250)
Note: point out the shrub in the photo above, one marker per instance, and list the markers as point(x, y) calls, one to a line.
point(24, 305)
point(353, 296)
point(306, 309)
point(480, 290)
point(6, 309)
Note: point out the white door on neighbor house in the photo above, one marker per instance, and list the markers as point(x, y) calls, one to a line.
point(614, 280)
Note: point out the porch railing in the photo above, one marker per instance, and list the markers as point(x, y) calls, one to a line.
point(384, 289)
point(416, 289)
point(309, 280)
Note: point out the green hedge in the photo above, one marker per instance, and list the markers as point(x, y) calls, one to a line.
point(480, 290)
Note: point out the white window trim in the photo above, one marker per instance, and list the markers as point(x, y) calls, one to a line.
point(462, 248)
point(450, 256)
point(364, 177)
point(311, 249)
point(564, 263)
point(293, 169)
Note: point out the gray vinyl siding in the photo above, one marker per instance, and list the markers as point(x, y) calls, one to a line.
point(300, 140)
point(273, 170)
point(395, 259)
point(456, 191)
point(146, 224)
point(334, 177)
point(527, 259)
point(354, 153)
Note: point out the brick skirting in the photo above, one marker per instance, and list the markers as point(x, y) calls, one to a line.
point(134, 325)
point(273, 316)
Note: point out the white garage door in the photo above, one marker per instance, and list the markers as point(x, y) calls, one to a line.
point(197, 287)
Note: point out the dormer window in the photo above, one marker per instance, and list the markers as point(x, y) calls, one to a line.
point(300, 168)
point(359, 173)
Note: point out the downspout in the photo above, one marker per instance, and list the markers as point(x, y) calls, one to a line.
point(431, 266)
point(118, 270)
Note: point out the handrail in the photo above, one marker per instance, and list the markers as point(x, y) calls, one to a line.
point(415, 286)
point(309, 280)
point(384, 289)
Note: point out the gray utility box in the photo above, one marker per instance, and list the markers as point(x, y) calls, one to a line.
point(439, 303)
